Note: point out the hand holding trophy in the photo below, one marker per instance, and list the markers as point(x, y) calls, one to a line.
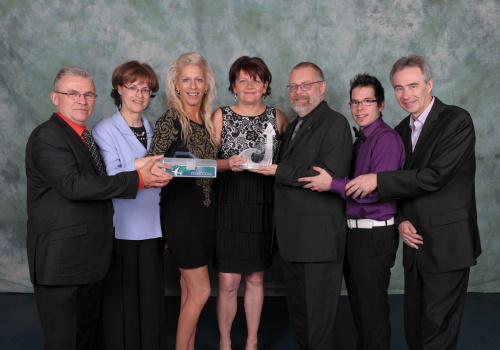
point(260, 155)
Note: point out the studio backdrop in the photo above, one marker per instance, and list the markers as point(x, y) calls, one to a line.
point(459, 38)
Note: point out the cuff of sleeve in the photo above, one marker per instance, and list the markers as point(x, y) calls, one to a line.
point(141, 181)
point(338, 186)
point(278, 173)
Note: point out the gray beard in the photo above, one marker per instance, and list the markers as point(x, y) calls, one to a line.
point(306, 109)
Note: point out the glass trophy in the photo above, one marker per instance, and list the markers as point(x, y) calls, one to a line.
point(261, 154)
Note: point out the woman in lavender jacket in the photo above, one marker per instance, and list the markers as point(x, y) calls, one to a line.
point(132, 313)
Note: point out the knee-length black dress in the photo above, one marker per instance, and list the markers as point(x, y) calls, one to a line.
point(187, 204)
point(244, 199)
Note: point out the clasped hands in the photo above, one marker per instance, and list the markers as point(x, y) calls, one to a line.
point(153, 172)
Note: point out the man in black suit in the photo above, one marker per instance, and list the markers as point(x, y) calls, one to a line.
point(437, 217)
point(311, 226)
point(70, 226)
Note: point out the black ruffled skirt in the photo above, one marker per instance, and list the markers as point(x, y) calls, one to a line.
point(244, 222)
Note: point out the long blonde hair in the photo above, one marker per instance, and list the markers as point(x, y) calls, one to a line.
point(174, 101)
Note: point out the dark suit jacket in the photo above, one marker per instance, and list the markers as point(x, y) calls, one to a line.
point(438, 190)
point(70, 213)
point(311, 226)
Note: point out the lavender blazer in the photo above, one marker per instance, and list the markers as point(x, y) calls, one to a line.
point(134, 219)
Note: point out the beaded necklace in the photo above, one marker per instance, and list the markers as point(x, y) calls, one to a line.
point(141, 135)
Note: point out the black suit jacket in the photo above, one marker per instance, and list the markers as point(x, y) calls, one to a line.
point(70, 213)
point(437, 190)
point(311, 226)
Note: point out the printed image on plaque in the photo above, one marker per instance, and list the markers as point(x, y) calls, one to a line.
point(260, 155)
point(190, 167)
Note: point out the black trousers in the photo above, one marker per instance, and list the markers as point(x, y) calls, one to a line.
point(133, 298)
point(433, 307)
point(312, 293)
point(69, 315)
point(370, 255)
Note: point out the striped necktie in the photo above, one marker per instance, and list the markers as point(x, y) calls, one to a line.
point(93, 150)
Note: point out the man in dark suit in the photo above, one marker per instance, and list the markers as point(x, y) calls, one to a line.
point(437, 217)
point(70, 226)
point(311, 226)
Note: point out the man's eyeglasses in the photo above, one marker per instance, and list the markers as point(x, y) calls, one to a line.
point(303, 86)
point(134, 89)
point(75, 95)
point(366, 103)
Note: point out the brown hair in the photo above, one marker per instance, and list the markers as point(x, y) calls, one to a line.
point(130, 72)
point(254, 67)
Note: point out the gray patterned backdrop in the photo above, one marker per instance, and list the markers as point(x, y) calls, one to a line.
point(460, 39)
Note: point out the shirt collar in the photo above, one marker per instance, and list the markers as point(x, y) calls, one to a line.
point(78, 129)
point(423, 117)
point(372, 127)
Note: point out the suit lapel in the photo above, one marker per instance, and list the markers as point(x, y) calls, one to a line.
point(427, 129)
point(285, 142)
point(75, 139)
point(149, 131)
point(308, 125)
point(123, 127)
point(121, 124)
point(406, 137)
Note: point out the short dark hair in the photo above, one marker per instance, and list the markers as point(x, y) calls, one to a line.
point(368, 80)
point(129, 72)
point(254, 67)
point(302, 65)
point(412, 60)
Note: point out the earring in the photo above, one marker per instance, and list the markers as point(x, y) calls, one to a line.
point(177, 91)
point(263, 97)
point(205, 90)
point(235, 97)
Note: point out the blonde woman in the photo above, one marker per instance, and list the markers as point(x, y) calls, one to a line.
point(187, 204)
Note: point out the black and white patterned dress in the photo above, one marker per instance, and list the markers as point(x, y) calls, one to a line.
point(244, 199)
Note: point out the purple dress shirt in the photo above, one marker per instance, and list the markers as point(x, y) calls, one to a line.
point(383, 150)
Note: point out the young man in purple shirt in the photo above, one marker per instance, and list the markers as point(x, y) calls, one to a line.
point(372, 239)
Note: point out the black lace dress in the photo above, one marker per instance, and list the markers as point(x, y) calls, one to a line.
point(244, 199)
point(187, 204)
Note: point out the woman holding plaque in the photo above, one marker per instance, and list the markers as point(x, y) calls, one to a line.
point(133, 292)
point(244, 198)
point(187, 204)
